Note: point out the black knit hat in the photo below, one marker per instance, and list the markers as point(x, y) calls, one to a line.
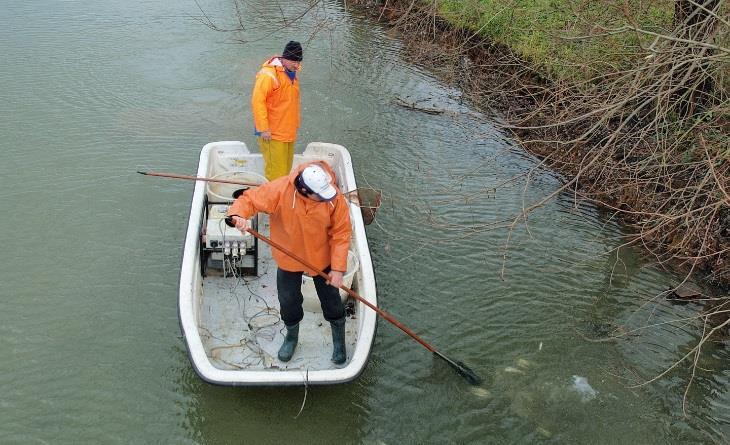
point(293, 51)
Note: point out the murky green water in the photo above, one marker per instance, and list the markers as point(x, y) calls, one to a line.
point(93, 91)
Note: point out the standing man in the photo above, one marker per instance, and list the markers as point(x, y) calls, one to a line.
point(311, 218)
point(275, 105)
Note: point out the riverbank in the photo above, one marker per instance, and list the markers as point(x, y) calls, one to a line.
point(630, 106)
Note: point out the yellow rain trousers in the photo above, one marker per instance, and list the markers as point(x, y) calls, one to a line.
point(278, 157)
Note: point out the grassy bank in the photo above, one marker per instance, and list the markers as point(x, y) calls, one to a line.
point(566, 39)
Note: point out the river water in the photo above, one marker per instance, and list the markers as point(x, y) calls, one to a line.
point(93, 91)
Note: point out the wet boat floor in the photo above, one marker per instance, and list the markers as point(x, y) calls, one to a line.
point(241, 328)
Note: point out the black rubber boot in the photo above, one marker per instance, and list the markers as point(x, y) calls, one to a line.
point(339, 354)
point(290, 343)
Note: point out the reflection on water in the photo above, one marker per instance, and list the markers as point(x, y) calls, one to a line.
point(94, 91)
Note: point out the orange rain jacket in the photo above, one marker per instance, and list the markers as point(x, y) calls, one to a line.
point(317, 231)
point(275, 102)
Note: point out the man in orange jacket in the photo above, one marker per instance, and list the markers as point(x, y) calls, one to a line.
point(311, 218)
point(275, 106)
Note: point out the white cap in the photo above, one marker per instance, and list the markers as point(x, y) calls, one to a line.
point(319, 181)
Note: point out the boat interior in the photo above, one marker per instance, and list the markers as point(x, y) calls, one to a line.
point(237, 306)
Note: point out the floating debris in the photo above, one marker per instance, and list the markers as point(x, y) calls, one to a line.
point(415, 106)
point(686, 291)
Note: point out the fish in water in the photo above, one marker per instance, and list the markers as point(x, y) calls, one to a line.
point(586, 391)
point(480, 392)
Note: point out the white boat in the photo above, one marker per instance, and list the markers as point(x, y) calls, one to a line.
point(228, 305)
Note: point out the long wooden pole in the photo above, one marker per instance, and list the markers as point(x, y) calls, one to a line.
point(198, 178)
point(223, 181)
point(461, 368)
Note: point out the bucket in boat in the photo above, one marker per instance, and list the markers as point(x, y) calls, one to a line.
point(221, 192)
point(311, 300)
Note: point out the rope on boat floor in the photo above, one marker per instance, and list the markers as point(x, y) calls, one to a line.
point(260, 325)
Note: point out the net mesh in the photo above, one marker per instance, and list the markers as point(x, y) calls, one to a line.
point(369, 201)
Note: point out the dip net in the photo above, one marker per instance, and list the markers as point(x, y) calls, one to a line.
point(369, 200)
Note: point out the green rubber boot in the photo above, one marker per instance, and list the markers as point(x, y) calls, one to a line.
point(290, 343)
point(339, 354)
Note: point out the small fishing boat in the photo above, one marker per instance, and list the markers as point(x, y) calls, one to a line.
point(228, 305)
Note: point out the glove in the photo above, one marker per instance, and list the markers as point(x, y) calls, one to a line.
point(230, 222)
